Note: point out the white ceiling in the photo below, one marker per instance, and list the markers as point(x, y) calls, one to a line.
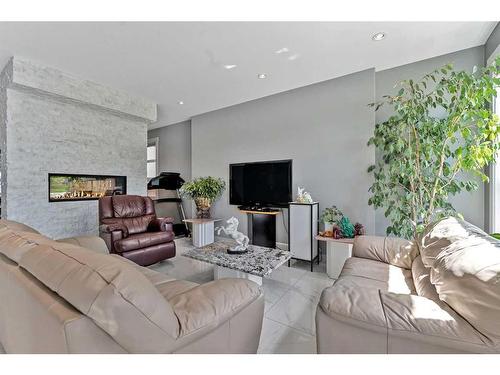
point(170, 62)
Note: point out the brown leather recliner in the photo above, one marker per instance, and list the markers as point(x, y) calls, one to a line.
point(130, 228)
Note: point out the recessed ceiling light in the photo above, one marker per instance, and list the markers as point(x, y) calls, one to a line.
point(378, 36)
point(180, 102)
point(282, 50)
point(230, 66)
point(261, 76)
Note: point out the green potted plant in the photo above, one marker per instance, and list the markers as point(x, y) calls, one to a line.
point(204, 191)
point(331, 216)
point(441, 128)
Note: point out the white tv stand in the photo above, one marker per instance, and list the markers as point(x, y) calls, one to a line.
point(302, 231)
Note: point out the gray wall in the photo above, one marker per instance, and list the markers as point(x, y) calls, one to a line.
point(56, 123)
point(492, 42)
point(174, 154)
point(471, 205)
point(323, 128)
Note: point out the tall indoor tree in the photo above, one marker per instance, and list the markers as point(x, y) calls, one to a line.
point(441, 136)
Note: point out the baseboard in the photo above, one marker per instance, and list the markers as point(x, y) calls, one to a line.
point(282, 246)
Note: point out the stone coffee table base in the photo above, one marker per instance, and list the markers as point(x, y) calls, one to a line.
point(257, 263)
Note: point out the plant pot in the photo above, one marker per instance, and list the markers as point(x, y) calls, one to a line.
point(202, 208)
point(328, 226)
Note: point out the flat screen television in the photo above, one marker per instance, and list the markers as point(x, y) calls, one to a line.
point(266, 184)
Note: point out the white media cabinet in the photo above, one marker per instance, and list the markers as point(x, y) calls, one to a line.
point(302, 231)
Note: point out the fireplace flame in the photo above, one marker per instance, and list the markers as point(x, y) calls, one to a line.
point(79, 187)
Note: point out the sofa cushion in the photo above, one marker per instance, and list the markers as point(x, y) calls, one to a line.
point(19, 227)
point(356, 294)
point(94, 243)
point(153, 276)
point(407, 313)
point(409, 323)
point(433, 322)
point(391, 250)
point(142, 240)
point(349, 301)
point(114, 294)
point(442, 233)
point(422, 280)
point(16, 239)
point(172, 288)
point(210, 304)
point(389, 278)
point(465, 269)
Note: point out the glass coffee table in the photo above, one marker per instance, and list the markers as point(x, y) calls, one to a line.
point(255, 264)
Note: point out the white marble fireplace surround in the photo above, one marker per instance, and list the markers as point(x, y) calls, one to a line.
point(51, 121)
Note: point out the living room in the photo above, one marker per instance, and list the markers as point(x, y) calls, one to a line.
point(293, 185)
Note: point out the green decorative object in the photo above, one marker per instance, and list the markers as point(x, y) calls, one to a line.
point(346, 227)
point(331, 215)
point(204, 191)
point(441, 128)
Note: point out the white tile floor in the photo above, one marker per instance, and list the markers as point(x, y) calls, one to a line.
point(291, 295)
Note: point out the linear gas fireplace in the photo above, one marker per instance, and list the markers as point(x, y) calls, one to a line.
point(80, 187)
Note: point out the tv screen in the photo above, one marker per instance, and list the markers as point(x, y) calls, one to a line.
point(267, 184)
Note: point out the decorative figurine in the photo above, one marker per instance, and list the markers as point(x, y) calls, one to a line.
point(240, 238)
point(346, 227)
point(303, 196)
point(359, 230)
point(336, 233)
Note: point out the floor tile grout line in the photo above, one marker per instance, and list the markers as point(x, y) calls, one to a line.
point(281, 297)
point(277, 321)
point(275, 303)
point(266, 342)
point(289, 290)
point(293, 328)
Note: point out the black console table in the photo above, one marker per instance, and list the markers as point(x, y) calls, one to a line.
point(262, 227)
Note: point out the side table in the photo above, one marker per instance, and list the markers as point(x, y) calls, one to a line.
point(203, 231)
point(337, 252)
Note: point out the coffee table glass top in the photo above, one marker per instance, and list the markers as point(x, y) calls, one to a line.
point(259, 261)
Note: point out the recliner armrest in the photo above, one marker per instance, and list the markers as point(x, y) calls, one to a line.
point(211, 304)
point(161, 224)
point(391, 250)
point(111, 233)
point(113, 227)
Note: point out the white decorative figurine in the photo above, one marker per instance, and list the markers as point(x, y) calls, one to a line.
point(232, 230)
point(303, 196)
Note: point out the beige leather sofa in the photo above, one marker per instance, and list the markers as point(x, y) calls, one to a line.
point(442, 296)
point(58, 297)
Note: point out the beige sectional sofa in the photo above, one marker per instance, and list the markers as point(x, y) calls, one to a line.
point(441, 295)
point(59, 297)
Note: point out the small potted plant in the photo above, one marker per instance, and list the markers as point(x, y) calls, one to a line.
point(204, 191)
point(331, 216)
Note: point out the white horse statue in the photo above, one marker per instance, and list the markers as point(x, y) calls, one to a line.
point(232, 230)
